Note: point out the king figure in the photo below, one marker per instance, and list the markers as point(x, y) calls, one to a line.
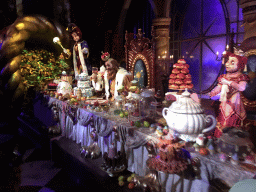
point(115, 77)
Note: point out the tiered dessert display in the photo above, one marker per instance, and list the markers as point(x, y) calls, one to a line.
point(172, 157)
point(180, 79)
point(84, 84)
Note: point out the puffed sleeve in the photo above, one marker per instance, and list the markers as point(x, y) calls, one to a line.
point(85, 47)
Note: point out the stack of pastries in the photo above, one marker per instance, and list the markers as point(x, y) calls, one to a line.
point(180, 79)
point(171, 158)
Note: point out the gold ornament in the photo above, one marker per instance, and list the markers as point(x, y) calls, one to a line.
point(23, 29)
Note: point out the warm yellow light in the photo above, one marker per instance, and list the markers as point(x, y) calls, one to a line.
point(56, 39)
point(20, 26)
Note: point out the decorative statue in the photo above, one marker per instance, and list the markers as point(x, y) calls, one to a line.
point(115, 77)
point(80, 52)
point(230, 85)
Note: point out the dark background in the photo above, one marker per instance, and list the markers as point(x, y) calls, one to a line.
point(95, 18)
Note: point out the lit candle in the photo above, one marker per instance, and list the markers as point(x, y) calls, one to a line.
point(217, 53)
point(223, 58)
point(227, 47)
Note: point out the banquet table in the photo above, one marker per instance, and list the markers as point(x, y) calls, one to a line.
point(77, 123)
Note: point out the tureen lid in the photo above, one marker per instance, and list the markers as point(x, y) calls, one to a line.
point(185, 104)
point(118, 98)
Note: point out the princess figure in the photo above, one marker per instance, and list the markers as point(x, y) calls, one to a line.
point(230, 85)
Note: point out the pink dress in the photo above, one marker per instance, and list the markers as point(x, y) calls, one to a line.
point(232, 112)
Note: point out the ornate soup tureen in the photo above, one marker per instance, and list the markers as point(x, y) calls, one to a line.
point(187, 118)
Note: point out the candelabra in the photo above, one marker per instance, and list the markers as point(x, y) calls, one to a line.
point(222, 57)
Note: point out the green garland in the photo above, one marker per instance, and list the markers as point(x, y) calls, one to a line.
point(40, 66)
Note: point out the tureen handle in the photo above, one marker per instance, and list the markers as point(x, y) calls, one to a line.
point(208, 118)
point(164, 112)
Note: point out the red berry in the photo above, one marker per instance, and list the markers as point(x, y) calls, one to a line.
point(132, 123)
point(131, 185)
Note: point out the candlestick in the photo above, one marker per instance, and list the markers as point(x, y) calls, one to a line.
point(218, 58)
point(223, 57)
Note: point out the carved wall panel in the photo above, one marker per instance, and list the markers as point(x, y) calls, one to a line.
point(138, 48)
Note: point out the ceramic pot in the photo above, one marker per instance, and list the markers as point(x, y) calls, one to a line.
point(187, 117)
point(64, 88)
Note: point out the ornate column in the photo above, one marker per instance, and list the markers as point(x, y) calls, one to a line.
point(161, 31)
point(248, 46)
point(249, 14)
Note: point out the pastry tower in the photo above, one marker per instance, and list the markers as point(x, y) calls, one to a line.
point(180, 79)
point(84, 84)
point(171, 157)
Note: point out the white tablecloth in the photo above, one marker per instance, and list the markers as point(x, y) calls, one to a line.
point(77, 123)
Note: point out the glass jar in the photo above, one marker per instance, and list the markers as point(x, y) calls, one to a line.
point(135, 100)
point(147, 104)
point(118, 105)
